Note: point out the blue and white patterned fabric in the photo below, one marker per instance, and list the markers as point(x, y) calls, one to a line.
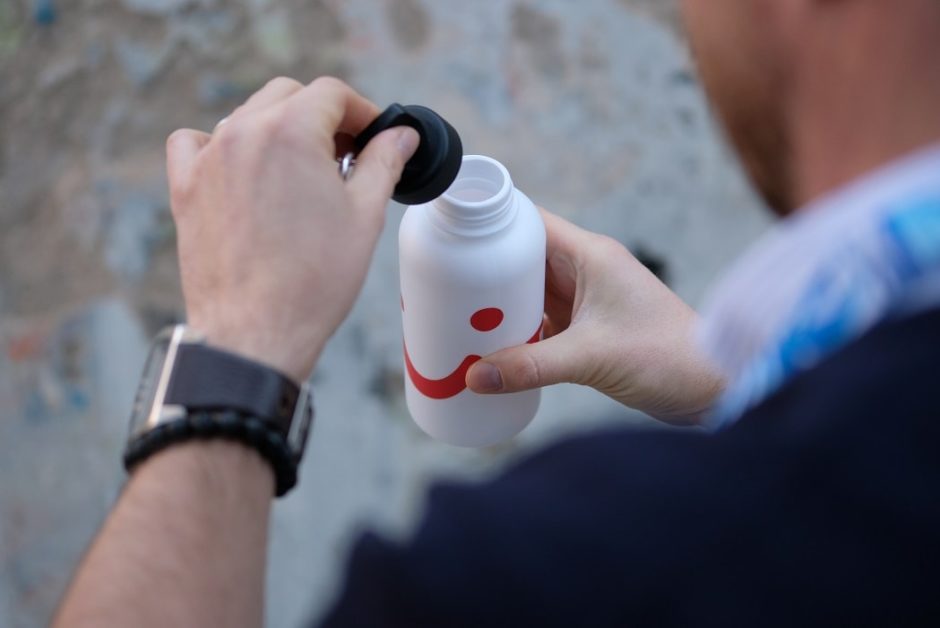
point(822, 278)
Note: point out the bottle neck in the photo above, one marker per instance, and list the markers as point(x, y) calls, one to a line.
point(481, 200)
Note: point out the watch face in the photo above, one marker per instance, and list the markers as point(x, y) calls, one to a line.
point(152, 382)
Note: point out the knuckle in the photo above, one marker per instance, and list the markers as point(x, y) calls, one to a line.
point(606, 247)
point(178, 181)
point(175, 137)
point(391, 160)
point(531, 372)
point(609, 242)
point(272, 122)
point(281, 82)
point(291, 130)
point(522, 373)
point(327, 83)
point(282, 128)
point(229, 137)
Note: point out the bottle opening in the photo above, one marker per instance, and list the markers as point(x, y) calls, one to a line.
point(479, 200)
point(479, 181)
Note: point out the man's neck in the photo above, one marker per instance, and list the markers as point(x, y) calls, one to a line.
point(864, 98)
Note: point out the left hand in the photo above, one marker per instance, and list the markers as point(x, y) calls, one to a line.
point(609, 324)
point(273, 245)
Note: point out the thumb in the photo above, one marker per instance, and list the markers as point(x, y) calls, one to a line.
point(379, 167)
point(528, 366)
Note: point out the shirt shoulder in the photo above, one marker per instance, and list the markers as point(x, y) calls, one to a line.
point(815, 504)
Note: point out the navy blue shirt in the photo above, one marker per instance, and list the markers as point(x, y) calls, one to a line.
point(821, 507)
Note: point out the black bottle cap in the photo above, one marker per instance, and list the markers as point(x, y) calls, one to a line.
point(437, 161)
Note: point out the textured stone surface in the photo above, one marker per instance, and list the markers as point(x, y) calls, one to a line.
point(593, 106)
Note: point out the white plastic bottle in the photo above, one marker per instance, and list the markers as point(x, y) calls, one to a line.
point(472, 282)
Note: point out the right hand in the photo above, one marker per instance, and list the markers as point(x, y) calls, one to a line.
point(273, 245)
point(609, 324)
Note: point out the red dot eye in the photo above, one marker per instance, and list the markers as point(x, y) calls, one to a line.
point(487, 319)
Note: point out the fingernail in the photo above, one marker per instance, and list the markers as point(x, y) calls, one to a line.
point(486, 378)
point(408, 140)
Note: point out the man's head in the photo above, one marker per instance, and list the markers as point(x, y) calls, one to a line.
point(814, 92)
point(741, 53)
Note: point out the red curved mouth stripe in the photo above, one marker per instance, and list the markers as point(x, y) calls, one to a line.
point(450, 386)
point(453, 384)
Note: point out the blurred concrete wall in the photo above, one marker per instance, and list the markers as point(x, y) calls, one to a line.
point(592, 105)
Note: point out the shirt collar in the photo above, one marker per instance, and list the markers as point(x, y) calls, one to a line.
point(747, 307)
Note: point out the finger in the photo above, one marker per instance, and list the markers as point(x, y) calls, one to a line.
point(563, 236)
point(558, 313)
point(333, 106)
point(182, 148)
point(273, 92)
point(379, 166)
point(551, 327)
point(565, 247)
point(526, 367)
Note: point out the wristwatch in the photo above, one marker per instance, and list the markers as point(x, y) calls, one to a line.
point(190, 390)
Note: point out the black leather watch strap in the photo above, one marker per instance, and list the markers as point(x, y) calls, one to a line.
point(252, 431)
point(209, 379)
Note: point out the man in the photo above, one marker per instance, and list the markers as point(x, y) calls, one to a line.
point(812, 504)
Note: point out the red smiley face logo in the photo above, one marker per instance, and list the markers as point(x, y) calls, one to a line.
point(483, 320)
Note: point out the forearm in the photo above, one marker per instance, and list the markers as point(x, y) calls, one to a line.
point(185, 545)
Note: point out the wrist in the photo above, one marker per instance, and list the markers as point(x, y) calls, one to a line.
point(694, 387)
point(191, 391)
point(217, 467)
point(668, 378)
point(294, 355)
